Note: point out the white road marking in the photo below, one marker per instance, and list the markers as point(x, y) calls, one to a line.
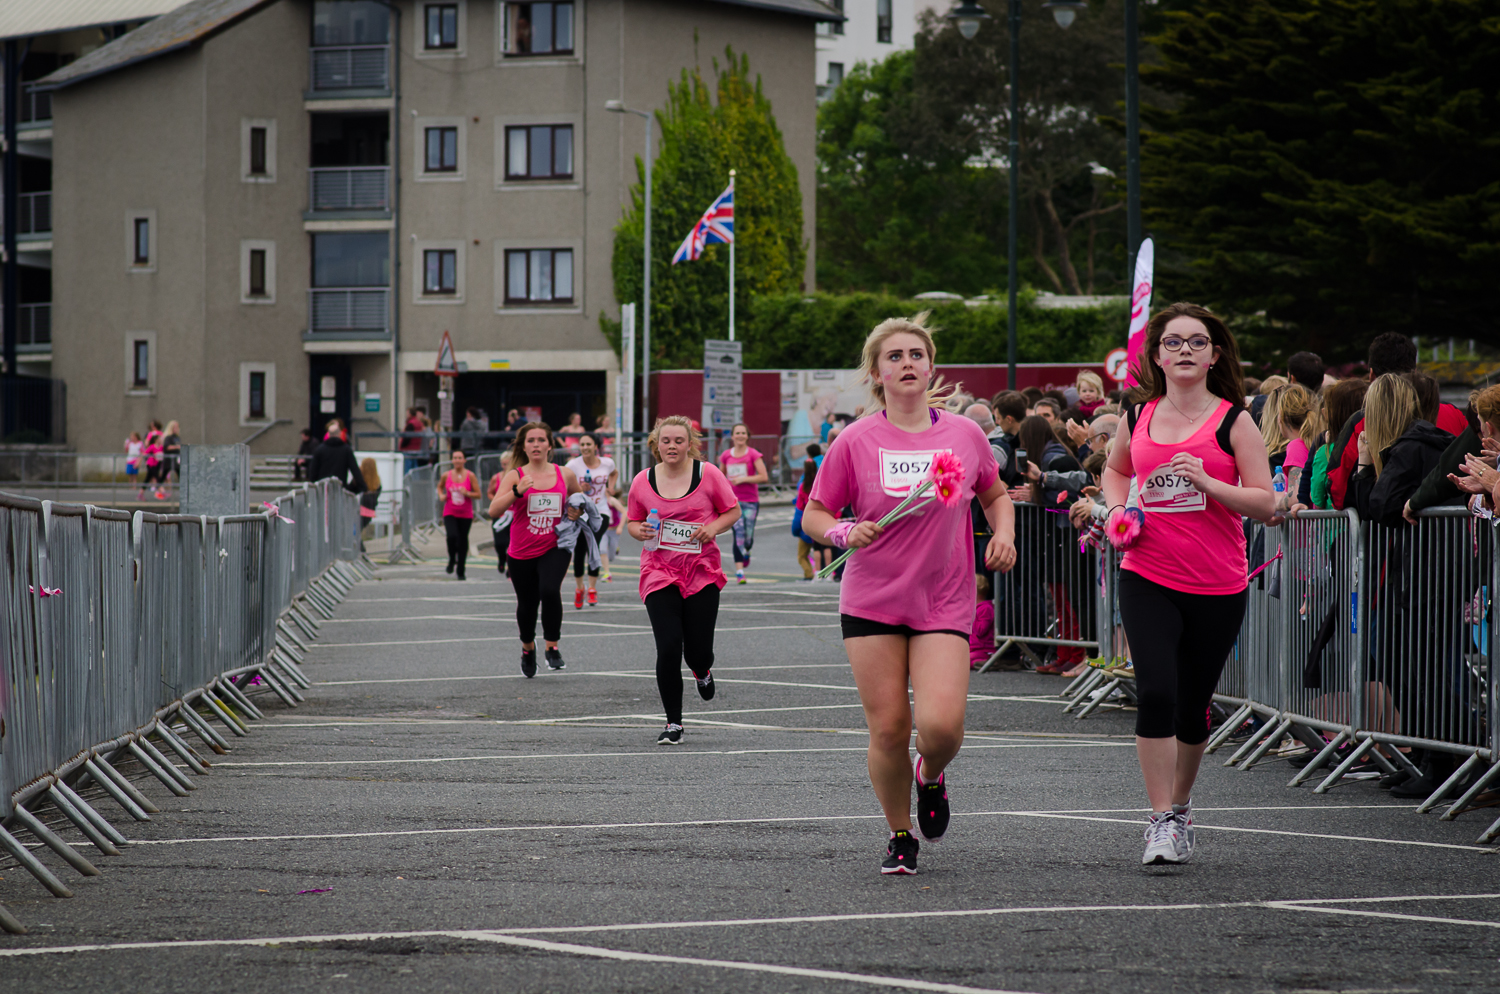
point(1289, 906)
point(586, 635)
point(1270, 831)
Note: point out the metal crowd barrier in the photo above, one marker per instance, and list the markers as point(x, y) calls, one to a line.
point(122, 635)
point(1360, 641)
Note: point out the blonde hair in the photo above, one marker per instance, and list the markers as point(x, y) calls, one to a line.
point(1487, 405)
point(1270, 423)
point(937, 393)
point(1087, 377)
point(1300, 412)
point(1390, 408)
point(371, 473)
point(1271, 384)
point(695, 439)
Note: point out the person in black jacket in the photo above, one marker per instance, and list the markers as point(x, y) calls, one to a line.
point(334, 458)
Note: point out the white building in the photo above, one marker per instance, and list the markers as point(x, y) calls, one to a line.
point(873, 30)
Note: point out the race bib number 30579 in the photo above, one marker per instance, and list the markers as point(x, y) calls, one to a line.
point(901, 471)
point(1164, 491)
point(677, 536)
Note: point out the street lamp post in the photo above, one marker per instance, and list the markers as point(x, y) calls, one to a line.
point(618, 107)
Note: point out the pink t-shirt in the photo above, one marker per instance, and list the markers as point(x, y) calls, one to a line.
point(533, 531)
point(1296, 455)
point(1190, 542)
point(454, 501)
point(982, 638)
point(921, 571)
point(679, 562)
point(737, 468)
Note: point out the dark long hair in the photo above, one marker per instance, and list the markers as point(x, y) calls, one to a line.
point(1224, 377)
point(518, 447)
point(1033, 435)
point(1341, 402)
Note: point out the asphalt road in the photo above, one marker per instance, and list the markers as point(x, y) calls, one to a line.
point(431, 821)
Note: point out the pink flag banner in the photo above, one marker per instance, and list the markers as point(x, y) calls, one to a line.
point(1140, 308)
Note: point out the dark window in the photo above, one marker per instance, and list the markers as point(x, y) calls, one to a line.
point(442, 26)
point(539, 276)
point(883, 21)
point(350, 140)
point(838, 26)
point(540, 28)
point(142, 241)
point(350, 22)
point(257, 395)
point(442, 150)
point(441, 267)
point(258, 152)
point(835, 74)
point(257, 272)
point(542, 151)
point(351, 259)
point(140, 364)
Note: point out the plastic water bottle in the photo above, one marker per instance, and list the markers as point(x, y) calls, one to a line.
point(1279, 481)
point(653, 525)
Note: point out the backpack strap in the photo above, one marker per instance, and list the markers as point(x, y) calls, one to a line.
point(651, 479)
point(1226, 426)
point(697, 475)
point(1132, 415)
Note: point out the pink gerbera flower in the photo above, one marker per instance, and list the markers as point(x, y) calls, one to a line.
point(947, 476)
point(1124, 527)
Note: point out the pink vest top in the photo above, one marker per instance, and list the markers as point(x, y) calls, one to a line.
point(538, 513)
point(1191, 542)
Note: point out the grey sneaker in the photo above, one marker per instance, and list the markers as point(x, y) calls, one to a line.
point(1183, 815)
point(1162, 840)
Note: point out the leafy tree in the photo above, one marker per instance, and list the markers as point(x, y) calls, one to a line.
point(1332, 164)
point(701, 141)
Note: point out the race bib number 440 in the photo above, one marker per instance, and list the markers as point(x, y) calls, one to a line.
point(677, 536)
point(1164, 491)
point(901, 471)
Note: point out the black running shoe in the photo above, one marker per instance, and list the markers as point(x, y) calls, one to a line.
point(900, 854)
point(706, 686)
point(452, 563)
point(555, 660)
point(528, 662)
point(670, 736)
point(932, 806)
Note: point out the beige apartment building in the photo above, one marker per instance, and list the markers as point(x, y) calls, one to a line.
point(266, 213)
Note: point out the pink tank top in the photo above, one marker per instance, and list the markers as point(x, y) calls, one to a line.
point(1191, 542)
point(538, 513)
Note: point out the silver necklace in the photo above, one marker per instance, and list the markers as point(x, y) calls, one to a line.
point(1192, 420)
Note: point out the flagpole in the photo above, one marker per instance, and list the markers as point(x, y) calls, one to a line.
point(731, 264)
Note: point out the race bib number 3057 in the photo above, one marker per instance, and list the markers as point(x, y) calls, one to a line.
point(901, 471)
point(677, 536)
point(1164, 491)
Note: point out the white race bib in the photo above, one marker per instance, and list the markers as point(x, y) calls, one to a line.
point(900, 471)
point(548, 505)
point(1164, 491)
point(677, 536)
point(738, 471)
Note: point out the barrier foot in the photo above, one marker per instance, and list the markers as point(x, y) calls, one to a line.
point(237, 697)
point(1320, 760)
point(995, 656)
point(308, 623)
point(123, 797)
point(33, 866)
point(1400, 762)
point(1070, 692)
point(11, 923)
point(91, 831)
point(1344, 767)
point(1436, 797)
point(292, 634)
point(195, 762)
point(168, 781)
point(1267, 744)
point(1471, 793)
point(192, 719)
point(1248, 746)
point(278, 668)
point(149, 748)
point(1100, 698)
point(1229, 727)
point(222, 713)
point(46, 836)
point(286, 647)
point(275, 684)
point(1096, 677)
point(292, 669)
point(1491, 833)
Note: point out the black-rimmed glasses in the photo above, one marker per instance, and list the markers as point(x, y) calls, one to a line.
point(1197, 343)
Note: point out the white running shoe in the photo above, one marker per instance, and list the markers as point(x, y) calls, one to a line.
point(1162, 845)
point(1183, 814)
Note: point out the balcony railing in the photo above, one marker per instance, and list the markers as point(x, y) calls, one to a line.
point(36, 106)
point(36, 326)
point(351, 67)
point(35, 214)
point(349, 309)
point(351, 188)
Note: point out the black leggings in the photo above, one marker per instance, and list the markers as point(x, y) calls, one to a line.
point(458, 538)
point(538, 582)
point(683, 626)
point(1179, 643)
point(581, 550)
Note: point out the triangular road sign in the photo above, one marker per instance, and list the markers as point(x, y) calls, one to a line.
point(447, 365)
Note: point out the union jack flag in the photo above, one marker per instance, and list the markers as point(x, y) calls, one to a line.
point(715, 227)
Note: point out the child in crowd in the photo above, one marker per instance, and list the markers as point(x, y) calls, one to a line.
point(806, 547)
point(1090, 387)
point(133, 447)
point(982, 638)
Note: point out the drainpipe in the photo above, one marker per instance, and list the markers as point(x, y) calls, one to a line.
point(395, 315)
point(11, 201)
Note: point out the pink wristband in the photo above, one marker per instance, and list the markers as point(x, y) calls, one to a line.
point(838, 535)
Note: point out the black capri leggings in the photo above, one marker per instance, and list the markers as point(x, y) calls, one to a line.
point(581, 550)
point(1179, 643)
point(458, 538)
point(538, 583)
point(684, 627)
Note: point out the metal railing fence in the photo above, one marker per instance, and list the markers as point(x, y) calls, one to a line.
point(116, 626)
point(104, 477)
point(350, 67)
point(347, 188)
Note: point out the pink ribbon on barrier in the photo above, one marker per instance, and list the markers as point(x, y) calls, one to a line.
point(47, 591)
point(1263, 565)
point(275, 510)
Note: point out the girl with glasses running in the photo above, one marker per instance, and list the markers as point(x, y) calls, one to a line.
point(906, 604)
point(1201, 464)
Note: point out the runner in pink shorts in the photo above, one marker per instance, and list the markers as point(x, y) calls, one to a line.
point(907, 599)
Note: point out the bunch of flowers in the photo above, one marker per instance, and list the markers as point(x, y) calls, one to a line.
point(944, 483)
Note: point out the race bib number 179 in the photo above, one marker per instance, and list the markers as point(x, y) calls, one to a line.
point(544, 505)
point(901, 471)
